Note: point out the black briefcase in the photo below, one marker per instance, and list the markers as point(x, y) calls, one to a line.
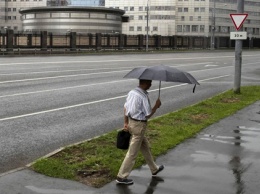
point(123, 139)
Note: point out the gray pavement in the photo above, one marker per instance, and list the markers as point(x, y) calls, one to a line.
point(222, 159)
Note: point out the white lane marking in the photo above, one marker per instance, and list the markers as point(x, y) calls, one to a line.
point(107, 72)
point(94, 102)
point(164, 88)
point(65, 76)
point(62, 108)
point(65, 88)
point(42, 72)
point(112, 61)
point(62, 76)
point(42, 91)
point(211, 65)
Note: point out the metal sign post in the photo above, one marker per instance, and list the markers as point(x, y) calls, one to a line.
point(238, 20)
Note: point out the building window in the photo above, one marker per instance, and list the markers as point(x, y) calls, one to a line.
point(139, 28)
point(182, 18)
point(196, 9)
point(155, 28)
point(131, 17)
point(186, 28)
point(225, 29)
point(148, 28)
point(191, 18)
point(185, 9)
point(14, 9)
point(199, 18)
point(179, 28)
point(126, 8)
point(202, 28)
point(179, 9)
point(194, 28)
point(140, 8)
point(131, 28)
point(132, 8)
point(140, 17)
point(202, 9)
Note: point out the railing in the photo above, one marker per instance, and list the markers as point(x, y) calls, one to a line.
point(48, 43)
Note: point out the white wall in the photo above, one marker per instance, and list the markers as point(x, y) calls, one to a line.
point(158, 22)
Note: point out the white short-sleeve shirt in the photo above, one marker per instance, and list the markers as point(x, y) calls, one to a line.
point(137, 104)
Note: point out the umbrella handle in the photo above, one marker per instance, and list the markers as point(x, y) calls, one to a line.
point(159, 89)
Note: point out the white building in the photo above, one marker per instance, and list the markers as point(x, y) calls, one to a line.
point(9, 12)
point(165, 17)
point(186, 17)
point(161, 16)
point(9, 9)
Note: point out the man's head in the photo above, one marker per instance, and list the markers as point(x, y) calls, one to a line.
point(145, 84)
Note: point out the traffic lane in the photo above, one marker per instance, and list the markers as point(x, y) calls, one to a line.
point(251, 73)
point(34, 136)
point(13, 106)
point(23, 86)
point(13, 78)
point(73, 61)
point(49, 83)
point(48, 101)
point(40, 73)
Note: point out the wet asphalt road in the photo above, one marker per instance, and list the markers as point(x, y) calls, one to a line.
point(49, 102)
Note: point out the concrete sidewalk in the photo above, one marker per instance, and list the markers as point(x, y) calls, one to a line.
point(223, 159)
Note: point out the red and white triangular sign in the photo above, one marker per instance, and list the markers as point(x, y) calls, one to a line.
point(238, 19)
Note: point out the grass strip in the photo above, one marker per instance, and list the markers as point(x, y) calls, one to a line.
point(96, 162)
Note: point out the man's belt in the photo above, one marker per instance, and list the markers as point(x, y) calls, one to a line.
point(138, 120)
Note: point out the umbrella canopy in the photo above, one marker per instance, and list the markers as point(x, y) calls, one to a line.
point(162, 73)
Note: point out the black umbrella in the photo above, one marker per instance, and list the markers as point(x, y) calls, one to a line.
point(162, 73)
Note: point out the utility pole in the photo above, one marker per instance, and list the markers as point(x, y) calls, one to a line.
point(213, 23)
point(147, 25)
point(238, 53)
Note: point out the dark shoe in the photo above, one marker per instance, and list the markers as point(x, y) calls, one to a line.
point(124, 181)
point(159, 170)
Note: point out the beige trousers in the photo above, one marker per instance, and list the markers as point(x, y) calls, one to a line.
point(138, 142)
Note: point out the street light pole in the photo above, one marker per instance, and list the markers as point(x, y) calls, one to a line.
point(147, 15)
point(213, 22)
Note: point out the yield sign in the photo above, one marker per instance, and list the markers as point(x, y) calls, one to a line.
point(238, 19)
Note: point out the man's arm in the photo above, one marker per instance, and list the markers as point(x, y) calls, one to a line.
point(156, 106)
point(125, 120)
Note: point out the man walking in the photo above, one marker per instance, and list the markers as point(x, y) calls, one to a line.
point(137, 110)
